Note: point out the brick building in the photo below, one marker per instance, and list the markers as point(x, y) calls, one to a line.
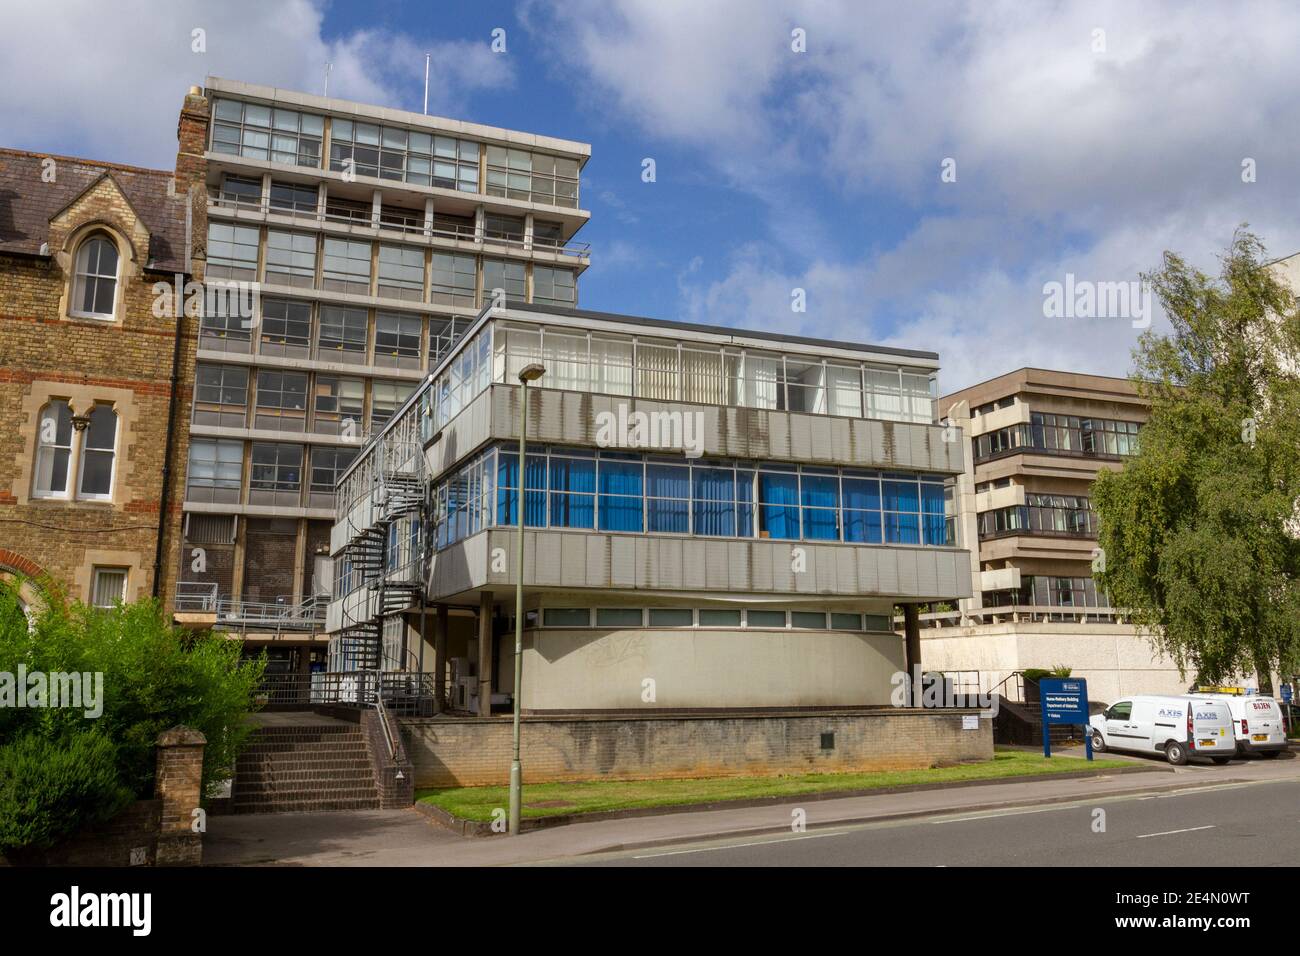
point(95, 368)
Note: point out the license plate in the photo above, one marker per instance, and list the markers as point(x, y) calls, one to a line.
point(1261, 737)
point(1208, 742)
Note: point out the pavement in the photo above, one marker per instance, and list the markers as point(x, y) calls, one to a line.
point(408, 838)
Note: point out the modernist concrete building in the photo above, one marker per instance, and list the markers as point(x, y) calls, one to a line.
point(715, 519)
point(358, 244)
point(95, 371)
point(1037, 440)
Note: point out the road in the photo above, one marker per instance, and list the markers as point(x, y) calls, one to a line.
point(1257, 822)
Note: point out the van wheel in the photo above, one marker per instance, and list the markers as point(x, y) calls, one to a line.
point(1098, 742)
point(1175, 753)
point(1220, 760)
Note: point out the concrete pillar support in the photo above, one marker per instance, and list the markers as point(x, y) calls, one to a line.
point(485, 654)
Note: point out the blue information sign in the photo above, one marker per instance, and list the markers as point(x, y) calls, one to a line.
point(1064, 700)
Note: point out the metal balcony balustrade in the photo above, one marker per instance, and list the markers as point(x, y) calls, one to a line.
point(282, 614)
point(1022, 614)
point(362, 221)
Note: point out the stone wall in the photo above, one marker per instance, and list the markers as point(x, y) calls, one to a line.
point(477, 751)
point(1114, 658)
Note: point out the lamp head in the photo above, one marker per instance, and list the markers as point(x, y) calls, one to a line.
point(531, 373)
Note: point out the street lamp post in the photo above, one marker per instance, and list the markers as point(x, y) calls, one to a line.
point(529, 373)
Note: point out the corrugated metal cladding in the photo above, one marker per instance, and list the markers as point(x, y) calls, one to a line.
point(592, 559)
point(570, 418)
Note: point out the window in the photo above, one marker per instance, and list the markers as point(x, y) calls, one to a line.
point(444, 333)
point(291, 258)
point(276, 475)
point(339, 401)
point(293, 198)
point(347, 266)
point(221, 395)
point(286, 327)
point(621, 495)
point(532, 177)
point(548, 235)
point(327, 466)
point(878, 622)
point(259, 132)
point(343, 334)
point(808, 620)
point(566, 617)
point(401, 272)
point(98, 453)
point(94, 287)
point(107, 587)
point(402, 219)
point(819, 496)
point(397, 339)
point(778, 508)
point(508, 229)
point(455, 164)
point(757, 618)
point(232, 251)
point(215, 471)
point(389, 152)
point(281, 400)
point(671, 617)
point(507, 276)
point(223, 328)
point(633, 493)
point(723, 501)
point(573, 486)
point(453, 279)
point(385, 399)
point(668, 498)
point(618, 617)
point(240, 191)
point(719, 618)
point(554, 286)
point(53, 451)
point(846, 622)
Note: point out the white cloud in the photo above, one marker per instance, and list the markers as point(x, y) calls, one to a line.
point(123, 68)
point(1068, 159)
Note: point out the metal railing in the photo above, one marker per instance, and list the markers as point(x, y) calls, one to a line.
point(1022, 614)
point(403, 693)
point(407, 225)
point(196, 596)
point(228, 612)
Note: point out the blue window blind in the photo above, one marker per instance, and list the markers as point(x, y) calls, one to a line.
point(778, 505)
point(620, 495)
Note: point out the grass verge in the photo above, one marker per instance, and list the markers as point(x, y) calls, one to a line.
point(550, 799)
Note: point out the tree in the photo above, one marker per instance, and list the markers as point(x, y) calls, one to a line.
point(1199, 531)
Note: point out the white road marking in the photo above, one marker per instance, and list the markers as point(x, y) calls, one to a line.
point(736, 846)
point(1172, 832)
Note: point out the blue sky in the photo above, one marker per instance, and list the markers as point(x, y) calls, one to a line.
point(1086, 139)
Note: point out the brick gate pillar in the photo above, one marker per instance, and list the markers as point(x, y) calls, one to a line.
point(178, 785)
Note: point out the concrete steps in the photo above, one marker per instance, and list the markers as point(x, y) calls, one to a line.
point(304, 768)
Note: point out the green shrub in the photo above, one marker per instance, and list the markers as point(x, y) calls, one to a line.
point(51, 788)
point(155, 676)
point(1036, 674)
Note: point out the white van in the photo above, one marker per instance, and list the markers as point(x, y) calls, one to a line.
point(1257, 723)
point(1177, 727)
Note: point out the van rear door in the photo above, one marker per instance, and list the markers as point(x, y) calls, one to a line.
point(1212, 728)
point(1263, 721)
